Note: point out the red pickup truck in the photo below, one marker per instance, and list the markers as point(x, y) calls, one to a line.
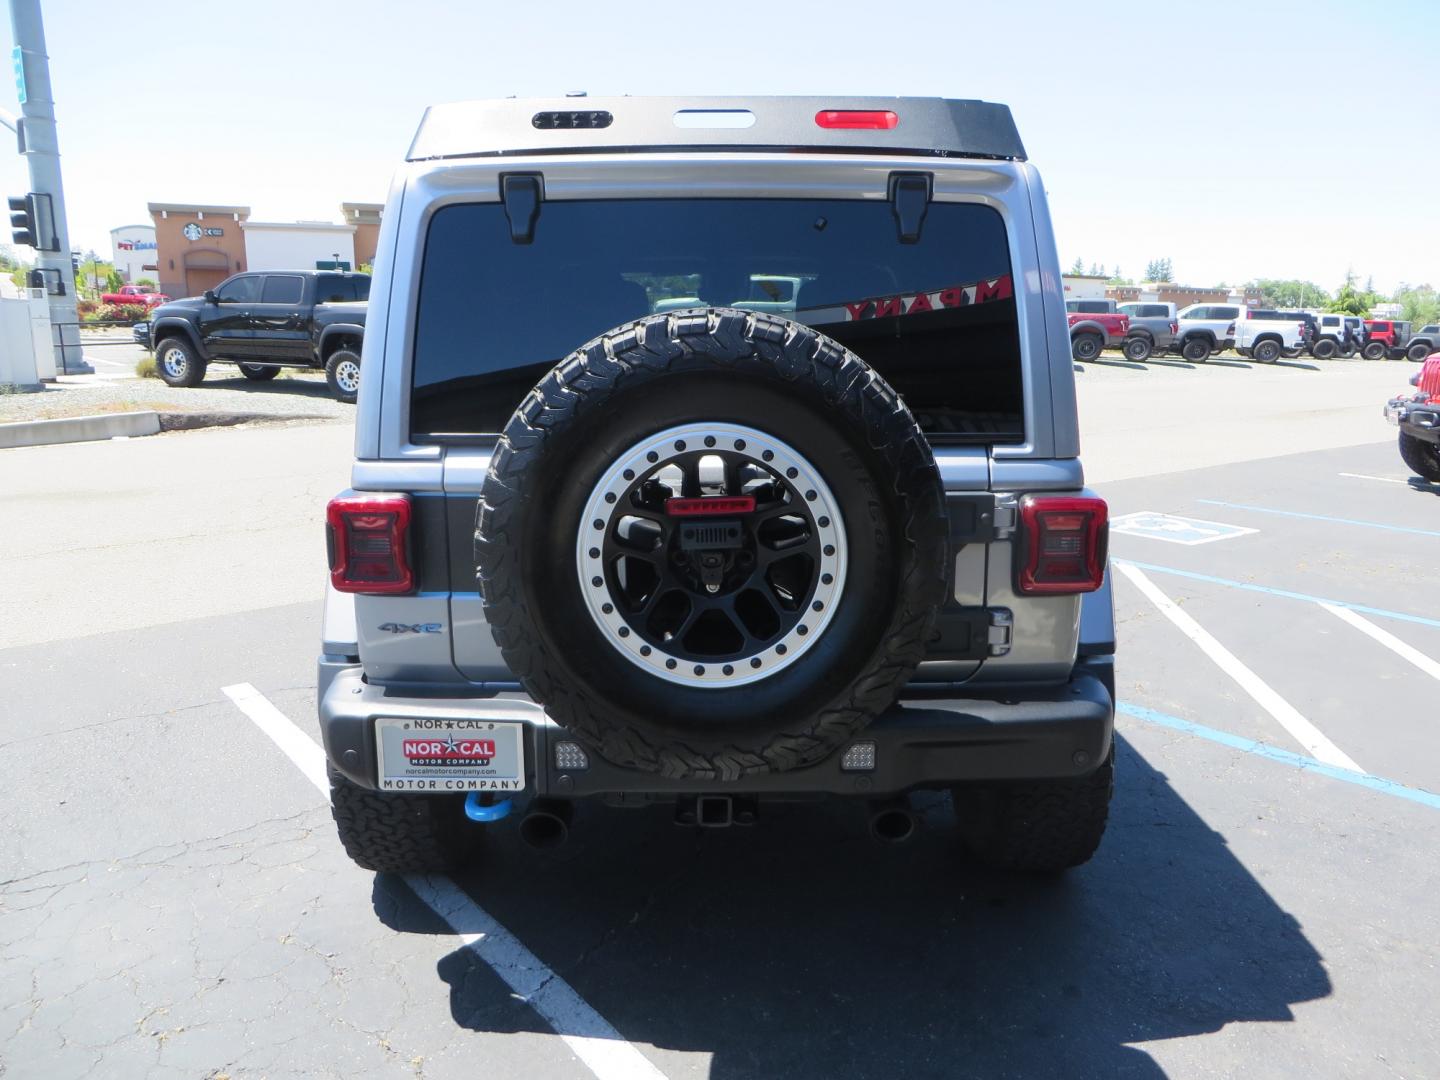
point(137, 295)
point(1092, 331)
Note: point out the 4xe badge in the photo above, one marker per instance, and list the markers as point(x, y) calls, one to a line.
point(410, 628)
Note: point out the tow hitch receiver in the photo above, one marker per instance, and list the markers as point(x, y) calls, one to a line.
point(716, 811)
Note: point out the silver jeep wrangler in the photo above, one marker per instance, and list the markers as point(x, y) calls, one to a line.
point(717, 452)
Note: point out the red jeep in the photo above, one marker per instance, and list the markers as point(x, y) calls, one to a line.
point(1388, 338)
point(1417, 414)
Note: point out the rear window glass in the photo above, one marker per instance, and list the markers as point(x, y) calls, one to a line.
point(282, 290)
point(339, 290)
point(936, 318)
point(1088, 307)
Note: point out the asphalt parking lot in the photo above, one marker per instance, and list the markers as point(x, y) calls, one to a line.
point(175, 903)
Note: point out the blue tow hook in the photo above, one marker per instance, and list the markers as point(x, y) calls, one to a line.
point(475, 810)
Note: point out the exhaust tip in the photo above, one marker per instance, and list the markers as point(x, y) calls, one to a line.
point(546, 825)
point(892, 823)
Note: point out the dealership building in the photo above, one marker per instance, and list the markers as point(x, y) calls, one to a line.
point(198, 246)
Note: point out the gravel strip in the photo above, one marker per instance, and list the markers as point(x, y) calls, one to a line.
point(87, 395)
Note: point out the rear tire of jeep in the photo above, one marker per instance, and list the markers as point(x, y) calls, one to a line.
point(1423, 458)
point(1418, 352)
point(1041, 827)
point(401, 834)
point(1086, 346)
point(1324, 350)
point(1137, 348)
point(342, 375)
point(258, 372)
point(1374, 351)
point(178, 364)
point(1195, 349)
point(644, 398)
point(1267, 351)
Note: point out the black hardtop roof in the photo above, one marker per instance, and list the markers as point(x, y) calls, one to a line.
point(936, 127)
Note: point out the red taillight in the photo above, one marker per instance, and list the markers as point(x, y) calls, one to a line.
point(1231, 330)
point(1174, 327)
point(881, 119)
point(1064, 544)
point(368, 537)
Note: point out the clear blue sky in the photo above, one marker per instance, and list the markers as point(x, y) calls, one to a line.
point(1161, 129)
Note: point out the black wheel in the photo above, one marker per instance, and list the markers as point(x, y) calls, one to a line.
point(258, 372)
point(1195, 349)
point(712, 544)
point(1138, 347)
point(1266, 351)
point(342, 374)
point(1374, 350)
point(401, 834)
point(1325, 349)
point(1044, 826)
point(178, 364)
point(1422, 457)
point(1086, 346)
point(1418, 351)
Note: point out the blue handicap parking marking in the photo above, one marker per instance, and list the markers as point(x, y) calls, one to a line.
point(1175, 530)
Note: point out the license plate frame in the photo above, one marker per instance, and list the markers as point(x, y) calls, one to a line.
point(446, 755)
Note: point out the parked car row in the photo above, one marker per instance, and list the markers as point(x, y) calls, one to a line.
point(1197, 332)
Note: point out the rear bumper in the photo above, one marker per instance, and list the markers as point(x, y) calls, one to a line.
point(929, 739)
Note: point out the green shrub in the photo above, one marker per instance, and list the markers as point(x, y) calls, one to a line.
point(145, 367)
point(126, 313)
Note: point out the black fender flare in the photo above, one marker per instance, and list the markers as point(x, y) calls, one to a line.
point(355, 330)
point(187, 330)
point(1088, 327)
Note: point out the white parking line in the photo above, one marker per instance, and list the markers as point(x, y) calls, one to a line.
point(1304, 732)
point(1364, 476)
point(1384, 637)
point(592, 1038)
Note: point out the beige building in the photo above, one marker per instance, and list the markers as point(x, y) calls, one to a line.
point(366, 219)
point(197, 246)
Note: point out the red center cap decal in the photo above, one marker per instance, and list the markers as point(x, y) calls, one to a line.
point(710, 506)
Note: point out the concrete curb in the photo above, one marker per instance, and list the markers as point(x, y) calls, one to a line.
point(78, 429)
point(129, 425)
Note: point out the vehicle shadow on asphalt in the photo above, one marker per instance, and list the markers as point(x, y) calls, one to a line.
point(1171, 363)
point(314, 388)
point(1228, 363)
point(800, 948)
point(1299, 365)
point(1133, 365)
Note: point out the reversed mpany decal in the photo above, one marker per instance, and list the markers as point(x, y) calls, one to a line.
point(882, 307)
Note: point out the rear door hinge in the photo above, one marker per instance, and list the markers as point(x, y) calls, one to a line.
point(1007, 511)
point(1002, 631)
point(522, 194)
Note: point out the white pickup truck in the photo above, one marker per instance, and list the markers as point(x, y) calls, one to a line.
point(1206, 329)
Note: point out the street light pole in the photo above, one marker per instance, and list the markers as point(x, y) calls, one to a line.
point(41, 146)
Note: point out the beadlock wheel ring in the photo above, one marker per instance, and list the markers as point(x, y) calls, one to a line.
point(773, 466)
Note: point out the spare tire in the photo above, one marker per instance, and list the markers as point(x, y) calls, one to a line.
point(712, 543)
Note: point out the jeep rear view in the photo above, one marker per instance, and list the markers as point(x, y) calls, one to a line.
point(715, 453)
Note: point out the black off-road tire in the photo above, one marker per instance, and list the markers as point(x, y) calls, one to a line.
point(1347, 351)
point(401, 834)
point(1418, 352)
point(1422, 458)
point(1374, 350)
point(1196, 349)
point(1041, 827)
point(258, 372)
point(1086, 346)
point(187, 368)
point(710, 366)
point(1138, 348)
point(333, 375)
point(1325, 349)
point(1266, 351)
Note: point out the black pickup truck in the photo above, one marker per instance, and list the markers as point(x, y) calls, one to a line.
point(264, 321)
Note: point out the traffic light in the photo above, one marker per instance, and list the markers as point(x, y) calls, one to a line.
point(22, 220)
point(32, 222)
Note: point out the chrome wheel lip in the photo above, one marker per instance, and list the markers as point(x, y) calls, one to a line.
point(174, 362)
point(347, 376)
point(777, 655)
